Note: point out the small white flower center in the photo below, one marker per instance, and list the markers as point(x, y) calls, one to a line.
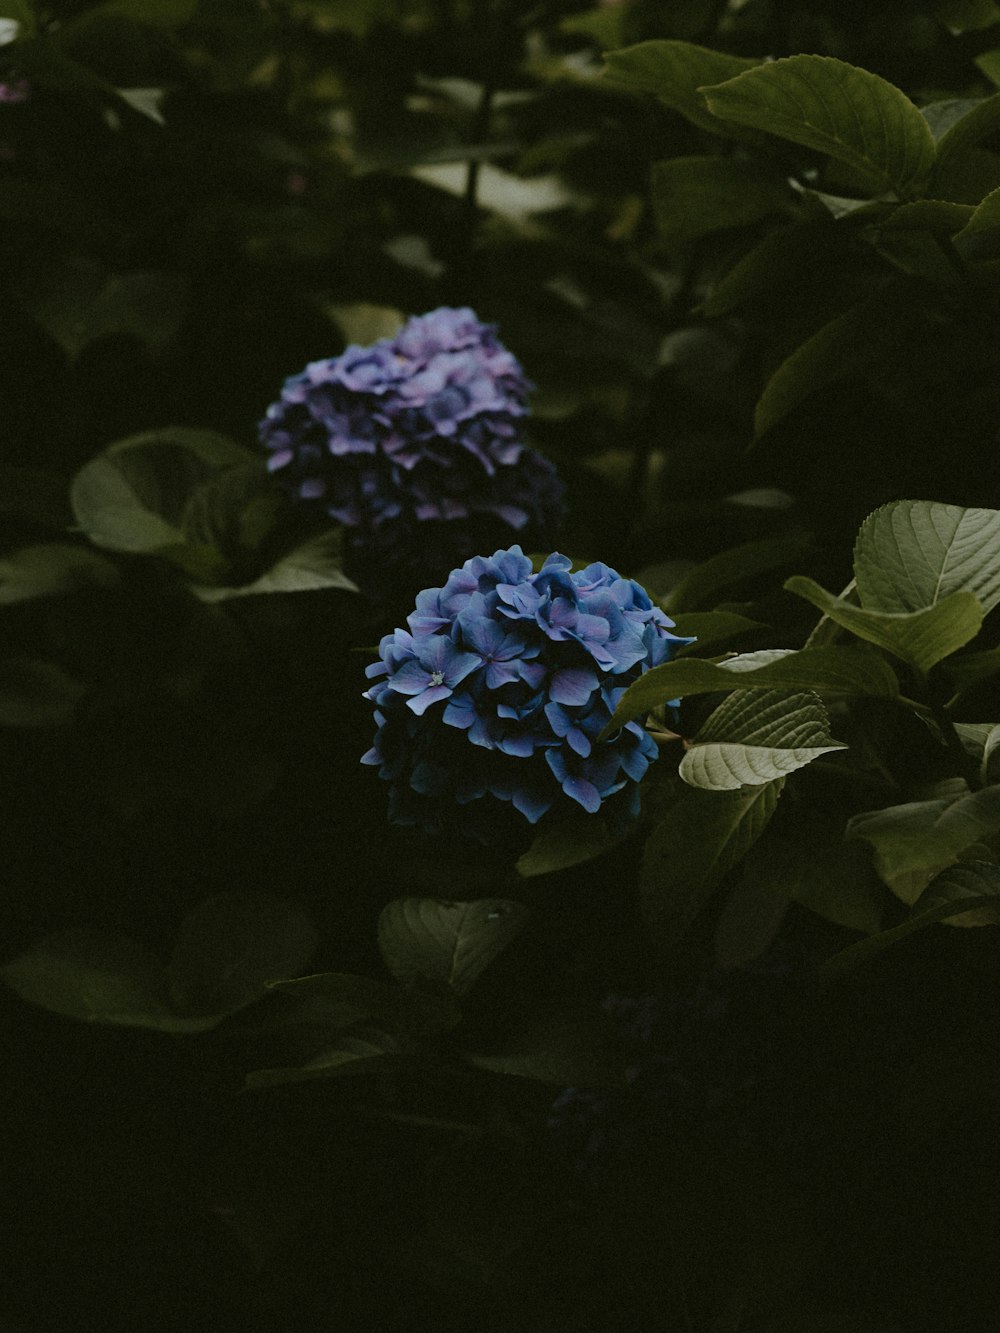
point(437, 677)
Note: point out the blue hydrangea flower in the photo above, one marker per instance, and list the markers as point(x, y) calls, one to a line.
point(414, 445)
point(494, 698)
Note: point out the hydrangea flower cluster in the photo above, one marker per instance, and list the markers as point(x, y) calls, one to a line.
point(419, 431)
point(497, 692)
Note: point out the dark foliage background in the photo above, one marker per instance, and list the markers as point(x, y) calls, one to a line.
point(198, 197)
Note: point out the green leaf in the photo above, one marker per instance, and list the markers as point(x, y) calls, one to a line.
point(450, 942)
point(673, 72)
point(729, 568)
point(834, 880)
point(911, 554)
point(972, 668)
point(754, 738)
point(230, 946)
point(848, 113)
point(604, 26)
point(364, 1051)
point(35, 693)
point(315, 565)
point(341, 999)
point(97, 978)
point(132, 497)
point(785, 254)
point(973, 886)
point(920, 638)
point(982, 741)
point(711, 627)
point(748, 922)
point(988, 62)
point(233, 511)
point(942, 115)
point(978, 121)
point(985, 218)
point(51, 569)
point(81, 303)
point(960, 16)
point(697, 196)
point(847, 347)
point(834, 670)
point(563, 1048)
point(569, 842)
point(702, 836)
point(913, 842)
point(933, 215)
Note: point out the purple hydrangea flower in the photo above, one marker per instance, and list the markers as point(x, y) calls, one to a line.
point(414, 445)
point(496, 695)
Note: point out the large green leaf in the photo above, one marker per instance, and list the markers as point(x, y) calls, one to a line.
point(754, 738)
point(732, 567)
point(913, 842)
point(315, 565)
point(971, 668)
point(132, 497)
point(697, 196)
point(79, 302)
point(977, 122)
point(748, 922)
point(449, 942)
point(911, 554)
point(563, 1048)
point(848, 113)
point(986, 217)
point(97, 978)
point(847, 347)
point(230, 946)
point(570, 842)
point(784, 255)
point(701, 837)
point(50, 569)
point(674, 71)
point(834, 879)
point(363, 1051)
point(710, 627)
point(968, 888)
point(933, 215)
point(982, 741)
point(921, 638)
point(832, 670)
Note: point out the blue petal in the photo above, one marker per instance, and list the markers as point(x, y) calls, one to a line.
point(573, 686)
point(584, 792)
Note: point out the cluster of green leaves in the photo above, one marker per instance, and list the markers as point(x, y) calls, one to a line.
point(841, 236)
point(886, 650)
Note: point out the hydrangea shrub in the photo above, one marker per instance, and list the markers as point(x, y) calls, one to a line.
point(414, 445)
point(496, 693)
